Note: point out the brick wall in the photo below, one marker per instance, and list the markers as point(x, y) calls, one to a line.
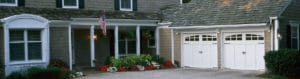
point(59, 43)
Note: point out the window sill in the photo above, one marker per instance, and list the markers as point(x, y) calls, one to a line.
point(7, 4)
point(70, 7)
point(125, 9)
point(26, 62)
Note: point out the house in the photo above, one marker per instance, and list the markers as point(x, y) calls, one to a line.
point(34, 31)
point(232, 34)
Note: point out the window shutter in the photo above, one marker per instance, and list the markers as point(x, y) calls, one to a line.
point(117, 5)
point(59, 3)
point(288, 36)
point(81, 4)
point(134, 5)
point(21, 2)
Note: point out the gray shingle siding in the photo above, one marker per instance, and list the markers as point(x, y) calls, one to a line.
point(59, 43)
point(216, 12)
point(290, 13)
point(40, 3)
point(143, 5)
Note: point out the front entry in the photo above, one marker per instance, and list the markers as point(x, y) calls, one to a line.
point(244, 50)
point(200, 50)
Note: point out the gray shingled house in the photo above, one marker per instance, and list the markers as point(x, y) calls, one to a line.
point(232, 34)
point(34, 31)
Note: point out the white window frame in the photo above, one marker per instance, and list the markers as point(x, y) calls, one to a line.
point(151, 46)
point(126, 53)
point(10, 4)
point(70, 7)
point(126, 9)
point(26, 42)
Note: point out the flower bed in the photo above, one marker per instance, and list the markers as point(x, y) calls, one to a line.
point(136, 63)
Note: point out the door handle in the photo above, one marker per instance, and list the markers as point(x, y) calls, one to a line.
point(200, 52)
point(244, 52)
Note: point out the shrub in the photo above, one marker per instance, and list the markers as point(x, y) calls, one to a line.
point(16, 75)
point(63, 66)
point(158, 59)
point(186, 1)
point(168, 64)
point(103, 68)
point(44, 73)
point(284, 62)
point(1, 71)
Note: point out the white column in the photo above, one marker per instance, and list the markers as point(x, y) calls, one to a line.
point(277, 36)
point(70, 47)
point(92, 45)
point(172, 46)
point(116, 42)
point(138, 40)
point(157, 42)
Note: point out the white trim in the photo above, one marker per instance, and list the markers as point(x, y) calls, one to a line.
point(297, 36)
point(10, 4)
point(138, 40)
point(181, 1)
point(182, 49)
point(70, 47)
point(126, 9)
point(220, 26)
point(70, 7)
point(157, 45)
point(277, 36)
point(92, 45)
point(172, 46)
point(116, 41)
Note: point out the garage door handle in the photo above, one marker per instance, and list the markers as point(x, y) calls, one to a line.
point(244, 52)
point(200, 52)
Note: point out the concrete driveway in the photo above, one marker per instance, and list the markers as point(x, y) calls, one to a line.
point(181, 73)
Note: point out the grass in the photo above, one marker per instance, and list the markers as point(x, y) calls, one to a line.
point(271, 76)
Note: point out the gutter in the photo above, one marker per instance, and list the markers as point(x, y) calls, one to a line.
point(220, 26)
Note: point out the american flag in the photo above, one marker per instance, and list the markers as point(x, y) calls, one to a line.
point(102, 24)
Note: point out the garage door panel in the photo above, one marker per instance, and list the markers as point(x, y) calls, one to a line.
point(244, 50)
point(200, 50)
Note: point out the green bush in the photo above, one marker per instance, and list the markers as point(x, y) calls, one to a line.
point(158, 59)
point(16, 75)
point(131, 60)
point(285, 62)
point(186, 1)
point(44, 73)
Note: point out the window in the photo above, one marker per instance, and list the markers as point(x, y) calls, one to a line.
point(8, 2)
point(236, 37)
point(254, 37)
point(294, 37)
point(126, 5)
point(127, 46)
point(25, 45)
point(70, 3)
point(209, 38)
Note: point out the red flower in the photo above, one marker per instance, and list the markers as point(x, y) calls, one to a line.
point(134, 68)
point(168, 64)
point(103, 68)
point(122, 69)
point(149, 67)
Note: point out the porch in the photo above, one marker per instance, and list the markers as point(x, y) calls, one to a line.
point(88, 47)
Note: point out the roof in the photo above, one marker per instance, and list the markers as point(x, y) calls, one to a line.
point(67, 14)
point(224, 12)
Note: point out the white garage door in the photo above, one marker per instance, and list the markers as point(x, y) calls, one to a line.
point(200, 50)
point(244, 50)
